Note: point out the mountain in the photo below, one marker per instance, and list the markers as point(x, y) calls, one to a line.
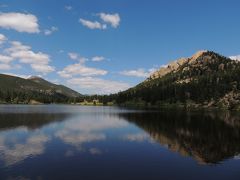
point(205, 79)
point(33, 90)
point(58, 88)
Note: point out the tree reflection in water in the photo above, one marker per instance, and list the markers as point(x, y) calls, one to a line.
point(208, 137)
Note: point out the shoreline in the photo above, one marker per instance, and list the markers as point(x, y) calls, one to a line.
point(136, 106)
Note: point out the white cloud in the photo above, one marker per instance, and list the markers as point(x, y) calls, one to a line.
point(69, 8)
point(64, 74)
point(2, 39)
point(142, 73)
point(97, 85)
point(17, 51)
point(48, 32)
point(20, 22)
point(91, 24)
point(76, 56)
point(42, 68)
point(237, 57)
point(82, 70)
point(73, 56)
point(5, 59)
point(25, 55)
point(17, 46)
point(97, 58)
point(113, 19)
point(5, 67)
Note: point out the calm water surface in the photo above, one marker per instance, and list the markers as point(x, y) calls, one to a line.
point(72, 142)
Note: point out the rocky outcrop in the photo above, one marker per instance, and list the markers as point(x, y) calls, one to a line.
point(231, 100)
point(175, 65)
point(199, 59)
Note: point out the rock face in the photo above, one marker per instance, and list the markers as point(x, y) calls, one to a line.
point(231, 99)
point(175, 65)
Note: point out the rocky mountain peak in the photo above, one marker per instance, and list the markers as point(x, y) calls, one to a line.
point(199, 54)
point(174, 66)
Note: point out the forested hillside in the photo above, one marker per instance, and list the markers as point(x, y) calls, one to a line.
point(18, 90)
point(206, 79)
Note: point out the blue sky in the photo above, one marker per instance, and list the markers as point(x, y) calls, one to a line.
point(103, 46)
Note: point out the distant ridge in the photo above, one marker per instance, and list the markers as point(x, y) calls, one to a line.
point(34, 89)
point(58, 88)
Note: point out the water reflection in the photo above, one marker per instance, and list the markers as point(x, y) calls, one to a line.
point(20, 137)
point(209, 137)
point(71, 142)
point(87, 129)
point(12, 150)
point(137, 137)
point(25, 133)
point(29, 120)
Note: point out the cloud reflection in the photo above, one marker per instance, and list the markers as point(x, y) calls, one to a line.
point(95, 151)
point(14, 151)
point(78, 138)
point(78, 131)
point(138, 137)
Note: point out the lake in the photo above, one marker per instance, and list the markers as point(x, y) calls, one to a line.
point(77, 142)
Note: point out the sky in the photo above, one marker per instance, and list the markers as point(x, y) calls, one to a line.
point(107, 46)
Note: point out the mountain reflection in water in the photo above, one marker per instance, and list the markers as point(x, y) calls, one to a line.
point(209, 137)
point(30, 121)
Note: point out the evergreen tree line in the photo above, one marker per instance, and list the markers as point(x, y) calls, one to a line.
point(21, 97)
